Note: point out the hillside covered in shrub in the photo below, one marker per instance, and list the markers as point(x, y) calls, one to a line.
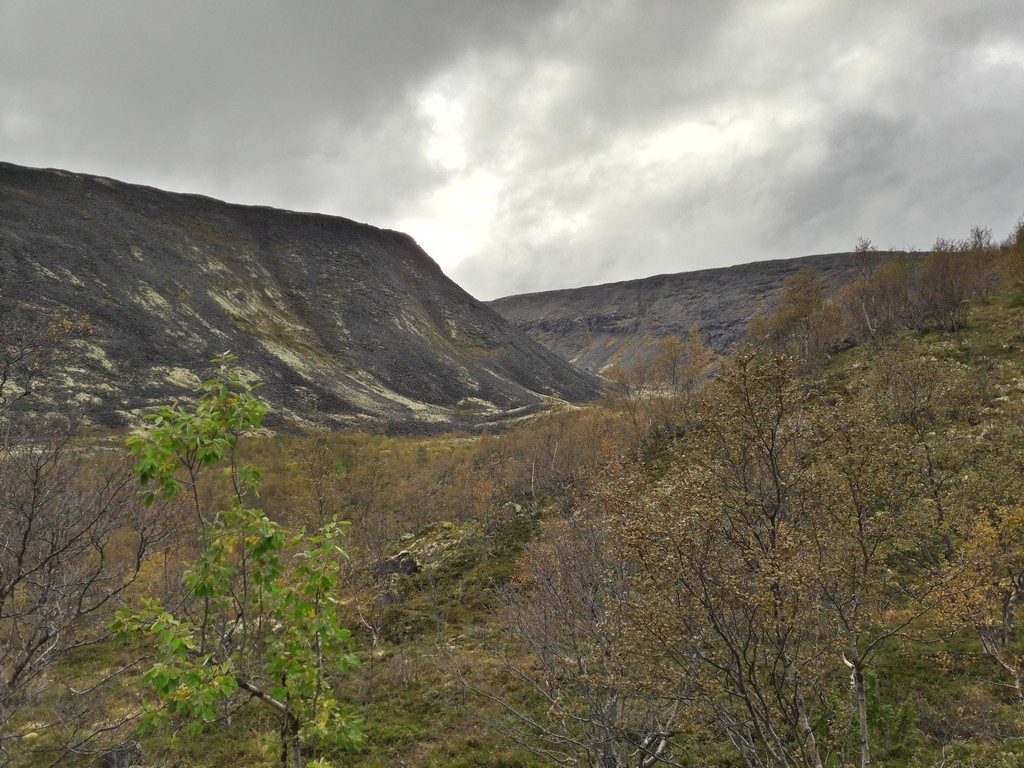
point(809, 552)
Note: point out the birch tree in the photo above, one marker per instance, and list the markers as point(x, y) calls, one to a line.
point(564, 615)
point(724, 546)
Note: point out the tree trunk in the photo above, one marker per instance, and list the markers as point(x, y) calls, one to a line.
point(810, 743)
point(1009, 614)
point(291, 749)
point(861, 696)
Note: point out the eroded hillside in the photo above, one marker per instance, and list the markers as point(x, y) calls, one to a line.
point(595, 325)
point(336, 317)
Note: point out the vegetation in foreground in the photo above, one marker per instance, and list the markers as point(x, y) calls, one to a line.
point(809, 554)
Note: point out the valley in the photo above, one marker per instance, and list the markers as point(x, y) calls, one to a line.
point(391, 528)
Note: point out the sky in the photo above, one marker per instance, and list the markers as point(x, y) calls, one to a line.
point(530, 145)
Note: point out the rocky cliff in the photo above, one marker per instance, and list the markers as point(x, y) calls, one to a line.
point(593, 326)
point(338, 319)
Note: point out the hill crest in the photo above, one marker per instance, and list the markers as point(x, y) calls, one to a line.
point(339, 319)
point(594, 326)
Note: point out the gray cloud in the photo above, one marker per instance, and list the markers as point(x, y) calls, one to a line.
point(535, 145)
point(282, 103)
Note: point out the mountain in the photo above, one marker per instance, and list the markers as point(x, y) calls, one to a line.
point(339, 319)
point(596, 325)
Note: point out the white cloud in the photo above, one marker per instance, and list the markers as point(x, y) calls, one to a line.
point(454, 222)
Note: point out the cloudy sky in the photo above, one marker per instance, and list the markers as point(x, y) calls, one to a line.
point(537, 144)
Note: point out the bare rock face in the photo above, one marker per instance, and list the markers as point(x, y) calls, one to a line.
point(338, 319)
point(596, 325)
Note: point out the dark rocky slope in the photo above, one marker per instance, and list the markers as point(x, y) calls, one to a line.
point(595, 325)
point(335, 317)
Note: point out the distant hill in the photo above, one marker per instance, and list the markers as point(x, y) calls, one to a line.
point(339, 319)
point(595, 325)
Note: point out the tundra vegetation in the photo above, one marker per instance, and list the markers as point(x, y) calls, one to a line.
point(807, 553)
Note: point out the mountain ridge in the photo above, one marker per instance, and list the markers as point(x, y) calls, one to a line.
point(594, 326)
point(339, 319)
